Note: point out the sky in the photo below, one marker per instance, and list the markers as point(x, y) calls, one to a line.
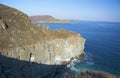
point(91, 10)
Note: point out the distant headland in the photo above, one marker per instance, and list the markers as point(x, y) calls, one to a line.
point(50, 19)
point(35, 51)
point(46, 19)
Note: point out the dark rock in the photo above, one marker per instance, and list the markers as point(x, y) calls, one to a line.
point(30, 70)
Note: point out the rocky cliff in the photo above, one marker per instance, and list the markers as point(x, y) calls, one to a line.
point(22, 40)
point(31, 51)
point(46, 19)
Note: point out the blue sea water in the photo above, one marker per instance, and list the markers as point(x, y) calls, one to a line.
point(102, 47)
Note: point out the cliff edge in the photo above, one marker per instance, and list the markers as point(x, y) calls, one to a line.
point(20, 39)
point(31, 51)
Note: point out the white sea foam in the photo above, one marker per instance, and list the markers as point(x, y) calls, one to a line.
point(72, 64)
point(88, 59)
point(76, 62)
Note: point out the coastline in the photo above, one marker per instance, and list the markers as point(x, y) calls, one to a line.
point(35, 51)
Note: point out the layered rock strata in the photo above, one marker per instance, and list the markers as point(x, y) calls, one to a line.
point(28, 50)
point(21, 39)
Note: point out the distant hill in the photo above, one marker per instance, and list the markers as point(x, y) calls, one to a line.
point(46, 19)
point(73, 20)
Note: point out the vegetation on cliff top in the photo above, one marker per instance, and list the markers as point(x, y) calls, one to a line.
point(17, 30)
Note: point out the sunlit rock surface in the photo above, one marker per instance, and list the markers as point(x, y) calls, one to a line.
point(33, 51)
point(22, 40)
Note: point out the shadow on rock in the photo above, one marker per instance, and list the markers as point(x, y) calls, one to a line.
point(14, 68)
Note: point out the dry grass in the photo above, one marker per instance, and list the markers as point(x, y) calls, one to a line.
point(87, 74)
point(21, 31)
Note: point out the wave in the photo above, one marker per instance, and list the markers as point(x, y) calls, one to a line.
point(88, 59)
point(73, 63)
point(78, 65)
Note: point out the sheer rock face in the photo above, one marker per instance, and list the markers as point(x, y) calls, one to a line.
point(21, 39)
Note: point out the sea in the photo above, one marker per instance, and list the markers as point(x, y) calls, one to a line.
point(102, 46)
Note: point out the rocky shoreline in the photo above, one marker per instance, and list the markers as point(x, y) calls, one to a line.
point(34, 51)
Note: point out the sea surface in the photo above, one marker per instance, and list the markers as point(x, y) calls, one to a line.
point(102, 47)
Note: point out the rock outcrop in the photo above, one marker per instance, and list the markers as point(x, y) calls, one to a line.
point(31, 51)
point(46, 19)
point(22, 40)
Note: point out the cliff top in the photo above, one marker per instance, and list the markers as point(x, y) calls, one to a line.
point(16, 30)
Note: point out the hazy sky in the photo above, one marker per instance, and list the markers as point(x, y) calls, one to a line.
point(100, 10)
